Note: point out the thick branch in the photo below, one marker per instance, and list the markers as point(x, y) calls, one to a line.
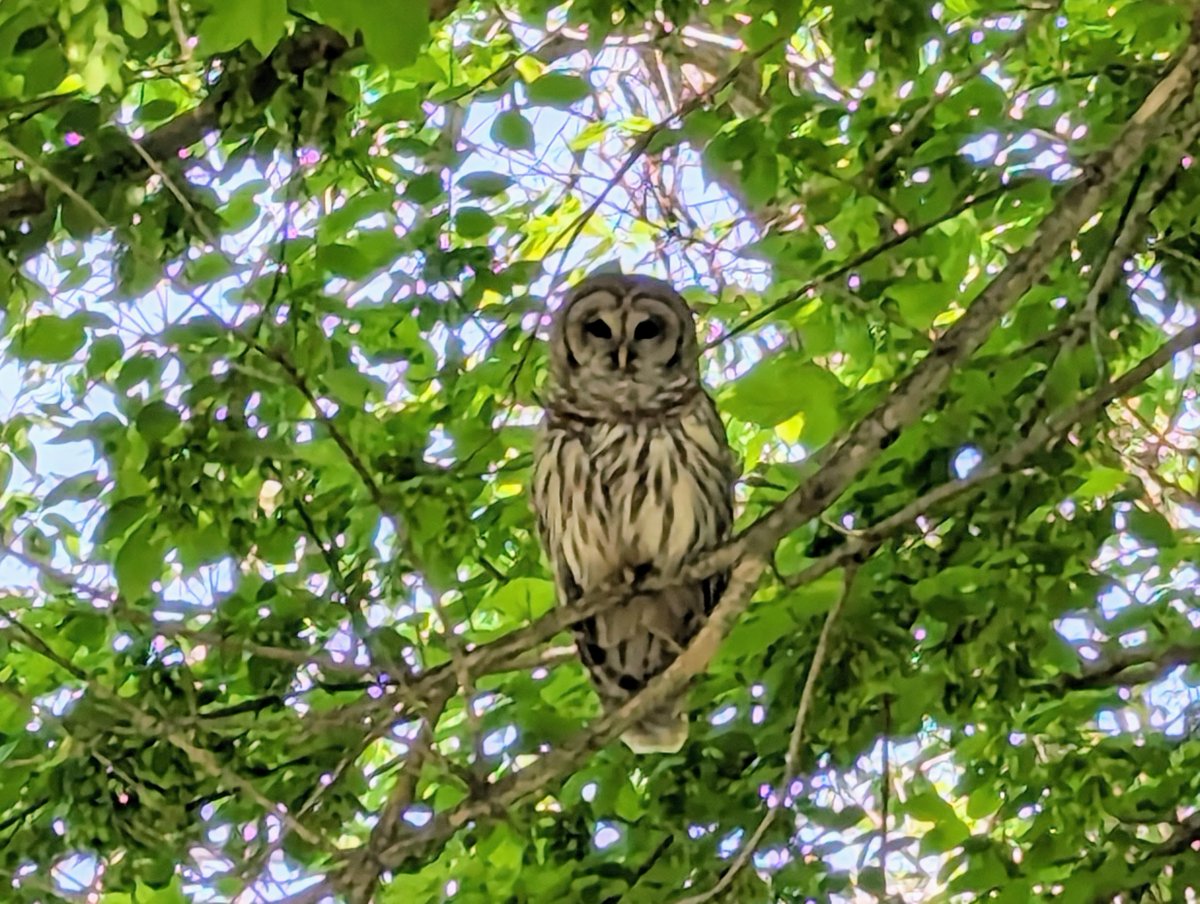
point(303, 51)
point(694, 659)
point(849, 458)
point(318, 46)
point(497, 655)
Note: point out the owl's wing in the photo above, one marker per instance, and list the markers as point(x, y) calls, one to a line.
point(546, 498)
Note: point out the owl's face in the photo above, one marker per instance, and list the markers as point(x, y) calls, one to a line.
point(624, 342)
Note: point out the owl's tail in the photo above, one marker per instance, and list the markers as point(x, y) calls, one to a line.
point(663, 731)
point(627, 646)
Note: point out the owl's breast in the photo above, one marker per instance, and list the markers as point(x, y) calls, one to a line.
point(649, 493)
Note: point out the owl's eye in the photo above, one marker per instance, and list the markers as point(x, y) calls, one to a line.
point(597, 328)
point(648, 329)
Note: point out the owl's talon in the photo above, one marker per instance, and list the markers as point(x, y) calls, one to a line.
point(669, 642)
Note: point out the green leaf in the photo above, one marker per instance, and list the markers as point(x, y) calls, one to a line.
point(1058, 653)
point(137, 368)
point(103, 354)
point(399, 106)
point(45, 69)
point(983, 801)
point(348, 385)
point(1152, 528)
point(172, 893)
point(589, 135)
point(755, 633)
point(1101, 481)
point(208, 268)
point(49, 338)
point(424, 188)
point(783, 386)
point(156, 420)
point(473, 222)
point(485, 185)
point(344, 260)
point(521, 598)
point(817, 597)
point(513, 130)
point(928, 806)
point(202, 547)
point(920, 302)
point(399, 45)
point(233, 21)
point(559, 90)
point(158, 109)
point(393, 30)
point(139, 562)
point(760, 177)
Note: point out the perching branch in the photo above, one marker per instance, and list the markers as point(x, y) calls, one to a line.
point(507, 791)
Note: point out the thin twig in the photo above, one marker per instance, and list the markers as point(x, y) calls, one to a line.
point(647, 138)
point(173, 188)
point(901, 140)
point(334, 431)
point(865, 257)
point(790, 763)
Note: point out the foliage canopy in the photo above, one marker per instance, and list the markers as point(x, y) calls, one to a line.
point(275, 623)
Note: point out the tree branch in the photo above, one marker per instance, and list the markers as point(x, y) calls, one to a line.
point(846, 460)
point(497, 655)
point(319, 45)
point(1135, 666)
point(305, 50)
point(793, 750)
point(748, 567)
point(358, 881)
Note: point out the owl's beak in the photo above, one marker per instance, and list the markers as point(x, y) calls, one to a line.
point(623, 357)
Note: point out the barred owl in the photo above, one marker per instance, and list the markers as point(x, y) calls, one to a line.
point(632, 475)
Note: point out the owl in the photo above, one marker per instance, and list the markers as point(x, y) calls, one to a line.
point(632, 476)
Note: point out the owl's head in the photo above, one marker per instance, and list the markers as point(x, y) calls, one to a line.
point(624, 343)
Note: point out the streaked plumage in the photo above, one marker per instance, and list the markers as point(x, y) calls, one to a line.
point(632, 475)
